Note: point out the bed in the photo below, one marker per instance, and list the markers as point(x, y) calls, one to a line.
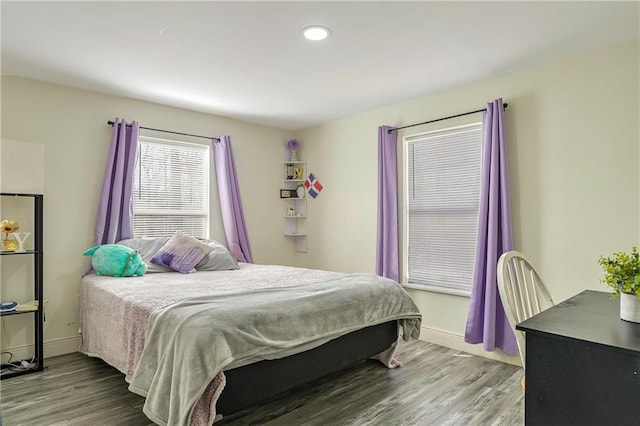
point(218, 341)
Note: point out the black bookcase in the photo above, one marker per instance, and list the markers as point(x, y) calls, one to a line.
point(38, 314)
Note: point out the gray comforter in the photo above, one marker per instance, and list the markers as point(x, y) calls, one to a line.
point(189, 343)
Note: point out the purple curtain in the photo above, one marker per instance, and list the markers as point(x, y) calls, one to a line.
point(387, 264)
point(115, 210)
point(486, 321)
point(230, 202)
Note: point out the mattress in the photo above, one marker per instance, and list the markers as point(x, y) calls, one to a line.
point(117, 315)
point(114, 312)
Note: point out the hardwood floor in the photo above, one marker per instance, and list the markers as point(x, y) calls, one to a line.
point(435, 386)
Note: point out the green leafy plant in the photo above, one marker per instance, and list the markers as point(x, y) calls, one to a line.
point(622, 272)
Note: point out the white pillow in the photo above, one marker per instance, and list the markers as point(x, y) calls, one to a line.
point(148, 247)
point(181, 253)
point(220, 259)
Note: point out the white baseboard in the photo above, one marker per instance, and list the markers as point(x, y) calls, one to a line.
point(456, 341)
point(65, 345)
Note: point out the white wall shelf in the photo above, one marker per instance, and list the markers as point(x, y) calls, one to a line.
point(294, 174)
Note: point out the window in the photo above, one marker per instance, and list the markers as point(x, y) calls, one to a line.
point(171, 189)
point(443, 194)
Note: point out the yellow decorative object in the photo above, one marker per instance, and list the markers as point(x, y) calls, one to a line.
point(298, 173)
point(9, 245)
point(9, 226)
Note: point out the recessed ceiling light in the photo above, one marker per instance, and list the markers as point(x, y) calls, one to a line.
point(316, 32)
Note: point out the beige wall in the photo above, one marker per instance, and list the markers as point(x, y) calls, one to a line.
point(573, 138)
point(71, 125)
point(573, 134)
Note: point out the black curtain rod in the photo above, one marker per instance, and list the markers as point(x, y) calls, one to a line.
point(111, 123)
point(505, 105)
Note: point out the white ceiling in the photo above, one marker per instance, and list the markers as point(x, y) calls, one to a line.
point(248, 60)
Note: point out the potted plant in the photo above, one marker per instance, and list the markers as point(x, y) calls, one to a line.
point(622, 274)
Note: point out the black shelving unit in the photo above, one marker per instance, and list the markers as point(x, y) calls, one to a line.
point(37, 253)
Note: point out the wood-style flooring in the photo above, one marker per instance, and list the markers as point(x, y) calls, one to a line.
point(435, 386)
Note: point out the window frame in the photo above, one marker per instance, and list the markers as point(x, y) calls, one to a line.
point(405, 210)
point(206, 214)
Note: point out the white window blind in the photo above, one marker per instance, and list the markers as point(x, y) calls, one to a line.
point(171, 189)
point(443, 193)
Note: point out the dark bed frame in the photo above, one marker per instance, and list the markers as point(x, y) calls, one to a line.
point(252, 384)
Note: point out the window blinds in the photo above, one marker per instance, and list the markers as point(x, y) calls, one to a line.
point(171, 189)
point(443, 192)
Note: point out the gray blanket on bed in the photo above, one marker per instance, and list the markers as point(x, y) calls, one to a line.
point(190, 342)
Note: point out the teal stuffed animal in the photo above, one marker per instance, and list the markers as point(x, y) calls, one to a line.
point(116, 260)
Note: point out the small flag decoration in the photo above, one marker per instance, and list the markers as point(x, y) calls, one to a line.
point(313, 186)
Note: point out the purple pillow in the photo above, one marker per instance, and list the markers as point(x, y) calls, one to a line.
point(181, 253)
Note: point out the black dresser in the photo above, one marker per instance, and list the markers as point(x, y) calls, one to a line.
point(582, 364)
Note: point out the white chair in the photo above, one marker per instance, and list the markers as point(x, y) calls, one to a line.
point(522, 292)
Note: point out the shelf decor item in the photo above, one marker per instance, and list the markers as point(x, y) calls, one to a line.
point(288, 193)
point(313, 186)
point(9, 226)
point(293, 146)
point(622, 274)
point(18, 236)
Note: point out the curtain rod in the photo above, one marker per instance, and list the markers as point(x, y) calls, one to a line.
point(111, 123)
point(505, 105)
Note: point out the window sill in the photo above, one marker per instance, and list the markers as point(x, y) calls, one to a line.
point(435, 289)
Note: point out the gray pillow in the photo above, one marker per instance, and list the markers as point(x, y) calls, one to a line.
point(148, 247)
point(218, 260)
